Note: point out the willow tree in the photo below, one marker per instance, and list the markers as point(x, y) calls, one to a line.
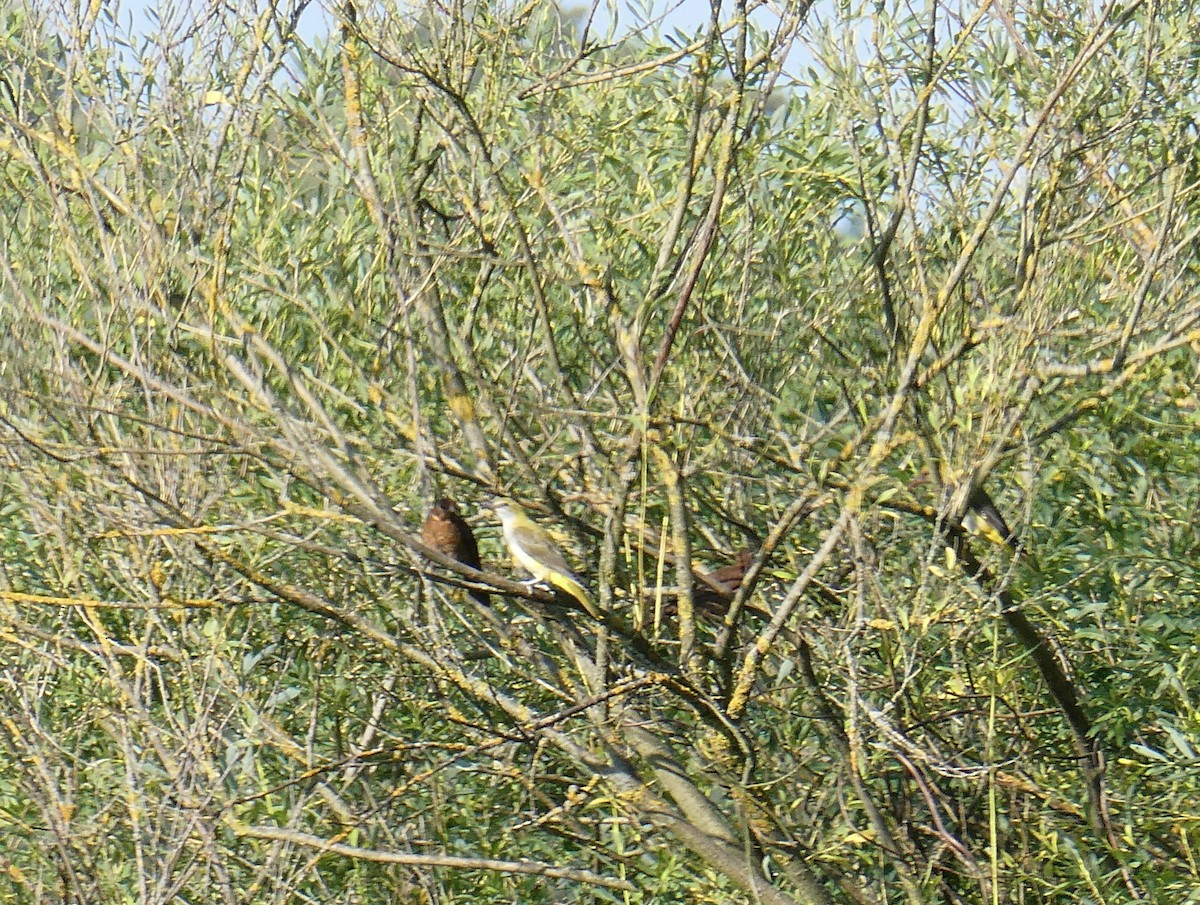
point(830, 286)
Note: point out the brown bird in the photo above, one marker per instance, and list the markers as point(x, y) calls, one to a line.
point(728, 576)
point(446, 531)
point(709, 600)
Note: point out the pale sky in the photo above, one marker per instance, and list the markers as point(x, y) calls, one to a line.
point(134, 17)
point(685, 14)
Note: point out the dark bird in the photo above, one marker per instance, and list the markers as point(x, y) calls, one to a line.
point(984, 519)
point(446, 531)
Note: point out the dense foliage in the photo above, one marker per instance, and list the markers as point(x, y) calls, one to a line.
point(818, 283)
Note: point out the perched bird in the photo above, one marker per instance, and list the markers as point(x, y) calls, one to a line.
point(984, 519)
point(711, 602)
point(734, 573)
point(534, 551)
point(730, 577)
point(446, 531)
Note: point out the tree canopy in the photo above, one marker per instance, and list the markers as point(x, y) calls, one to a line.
point(834, 285)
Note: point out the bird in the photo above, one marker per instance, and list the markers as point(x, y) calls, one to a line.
point(446, 531)
point(982, 518)
point(732, 574)
point(730, 577)
point(711, 602)
point(534, 551)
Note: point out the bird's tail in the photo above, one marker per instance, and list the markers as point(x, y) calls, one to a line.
point(569, 584)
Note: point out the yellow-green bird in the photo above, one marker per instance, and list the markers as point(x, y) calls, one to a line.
point(534, 551)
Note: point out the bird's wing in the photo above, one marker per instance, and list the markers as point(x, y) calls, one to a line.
point(468, 547)
point(987, 520)
point(536, 544)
